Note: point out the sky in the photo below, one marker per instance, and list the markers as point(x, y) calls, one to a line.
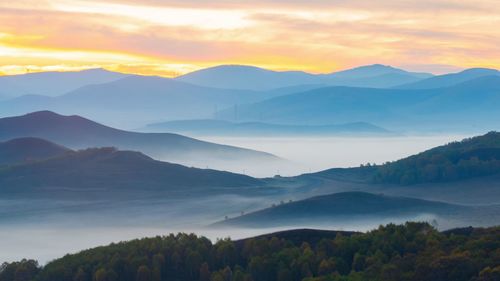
point(172, 37)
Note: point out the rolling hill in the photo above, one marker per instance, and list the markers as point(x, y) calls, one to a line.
point(28, 149)
point(452, 79)
point(54, 83)
point(254, 78)
point(76, 132)
point(108, 169)
point(135, 101)
point(338, 207)
point(469, 106)
point(474, 157)
point(247, 78)
point(220, 127)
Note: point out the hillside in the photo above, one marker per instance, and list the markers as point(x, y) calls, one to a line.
point(473, 157)
point(23, 150)
point(221, 127)
point(338, 207)
point(76, 132)
point(108, 169)
point(414, 251)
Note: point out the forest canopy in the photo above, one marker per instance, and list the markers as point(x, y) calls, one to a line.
point(414, 251)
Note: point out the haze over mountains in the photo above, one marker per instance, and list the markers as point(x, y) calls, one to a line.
point(210, 127)
point(467, 106)
point(254, 78)
point(388, 97)
point(53, 83)
point(77, 133)
point(451, 79)
point(28, 149)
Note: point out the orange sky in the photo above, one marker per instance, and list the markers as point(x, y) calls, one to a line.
point(171, 37)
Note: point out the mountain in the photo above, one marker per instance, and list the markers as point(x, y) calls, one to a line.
point(76, 132)
point(254, 78)
point(341, 206)
point(451, 79)
point(54, 83)
point(375, 70)
point(135, 101)
point(467, 107)
point(247, 77)
point(110, 169)
point(23, 150)
point(329, 105)
point(219, 127)
point(373, 76)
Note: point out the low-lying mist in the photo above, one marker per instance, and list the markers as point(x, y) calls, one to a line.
point(49, 227)
point(311, 154)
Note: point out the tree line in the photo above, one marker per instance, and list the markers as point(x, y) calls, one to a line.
point(414, 251)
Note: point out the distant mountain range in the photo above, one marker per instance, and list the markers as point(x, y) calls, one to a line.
point(225, 128)
point(467, 106)
point(452, 79)
point(135, 101)
point(76, 132)
point(25, 150)
point(254, 78)
point(388, 97)
point(339, 207)
point(53, 83)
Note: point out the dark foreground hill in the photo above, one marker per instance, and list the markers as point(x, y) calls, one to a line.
point(77, 133)
point(412, 252)
point(342, 207)
point(108, 169)
point(27, 150)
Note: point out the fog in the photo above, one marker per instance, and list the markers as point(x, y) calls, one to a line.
point(311, 154)
point(49, 228)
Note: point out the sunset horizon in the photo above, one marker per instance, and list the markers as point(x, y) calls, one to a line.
point(171, 38)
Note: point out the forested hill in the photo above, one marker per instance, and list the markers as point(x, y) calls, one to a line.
point(414, 251)
point(469, 158)
point(472, 157)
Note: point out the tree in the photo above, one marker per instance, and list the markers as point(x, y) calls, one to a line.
point(100, 275)
point(81, 275)
point(143, 273)
point(204, 272)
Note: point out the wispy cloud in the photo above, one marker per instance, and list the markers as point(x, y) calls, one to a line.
point(170, 37)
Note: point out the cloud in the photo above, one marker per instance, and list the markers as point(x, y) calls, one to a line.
point(317, 35)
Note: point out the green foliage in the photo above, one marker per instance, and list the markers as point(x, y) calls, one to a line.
point(473, 157)
point(414, 251)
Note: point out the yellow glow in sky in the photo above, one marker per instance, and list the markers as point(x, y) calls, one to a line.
point(172, 37)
